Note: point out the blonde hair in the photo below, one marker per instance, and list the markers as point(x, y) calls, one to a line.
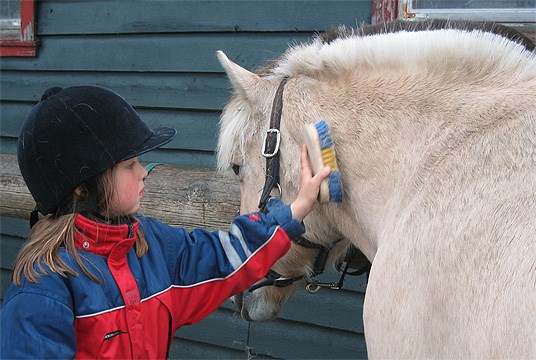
point(54, 231)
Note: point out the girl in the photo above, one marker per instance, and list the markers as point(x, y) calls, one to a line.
point(95, 281)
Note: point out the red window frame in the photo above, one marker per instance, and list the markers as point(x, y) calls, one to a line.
point(27, 44)
point(384, 11)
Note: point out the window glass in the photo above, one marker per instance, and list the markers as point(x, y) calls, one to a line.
point(473, 4)
point(10, 20)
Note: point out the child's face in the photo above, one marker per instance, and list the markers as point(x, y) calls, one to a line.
point(128, 187)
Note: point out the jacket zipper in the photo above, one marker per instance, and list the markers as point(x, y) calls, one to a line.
point(130, 230)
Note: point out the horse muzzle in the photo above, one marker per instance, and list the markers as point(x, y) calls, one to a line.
point(254, 307)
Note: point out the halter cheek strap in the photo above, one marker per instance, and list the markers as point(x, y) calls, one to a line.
point(271, 147)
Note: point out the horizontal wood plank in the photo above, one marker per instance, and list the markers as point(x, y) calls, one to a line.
point(15, 227)
point(183, 91)
point(341, 309)
point(164, 16)
point(188, 349)
point(10, 247)
point(172, 53)
point(306, 341)
point(264, 337)
point(209, 330)
point(5, 282)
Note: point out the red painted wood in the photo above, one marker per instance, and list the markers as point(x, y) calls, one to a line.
point(18, 48)
point(27, 45)
point(384, 10)
point(27, 17)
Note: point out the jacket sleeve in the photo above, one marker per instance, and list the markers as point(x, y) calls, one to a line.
point(206, 268)
point(36, 326)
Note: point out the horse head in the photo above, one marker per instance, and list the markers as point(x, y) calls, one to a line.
point(245, 126)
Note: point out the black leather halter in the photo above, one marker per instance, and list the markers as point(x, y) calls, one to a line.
point(271, 152)
point(271, 148)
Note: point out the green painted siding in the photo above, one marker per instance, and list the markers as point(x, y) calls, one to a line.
point(160, 55)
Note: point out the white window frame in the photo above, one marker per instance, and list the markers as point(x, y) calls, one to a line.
point(504, 15)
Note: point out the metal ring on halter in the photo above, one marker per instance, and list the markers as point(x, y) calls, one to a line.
point(278, 189)
point(312, 288)
point(277, 142)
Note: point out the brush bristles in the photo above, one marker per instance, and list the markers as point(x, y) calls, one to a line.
point(323, 134)
point(329, 159)
point(335, 187)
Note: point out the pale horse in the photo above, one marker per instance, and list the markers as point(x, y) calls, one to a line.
point(435, 136)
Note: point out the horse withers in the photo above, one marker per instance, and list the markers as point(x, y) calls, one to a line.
point(434, 125)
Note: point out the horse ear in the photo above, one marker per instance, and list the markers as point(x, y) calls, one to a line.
point(243, 81)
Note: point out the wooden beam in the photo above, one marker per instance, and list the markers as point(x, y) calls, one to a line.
point(187, 197)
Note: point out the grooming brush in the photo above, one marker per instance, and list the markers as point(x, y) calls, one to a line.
point(322, 153)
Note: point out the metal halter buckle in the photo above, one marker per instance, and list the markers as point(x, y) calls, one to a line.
point(314, 286)
point(278, 140)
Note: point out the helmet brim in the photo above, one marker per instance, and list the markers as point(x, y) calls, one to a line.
point(159, 137)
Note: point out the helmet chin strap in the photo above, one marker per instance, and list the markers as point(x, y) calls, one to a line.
point(34, 217)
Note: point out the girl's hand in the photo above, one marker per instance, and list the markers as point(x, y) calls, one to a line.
point(309, 187)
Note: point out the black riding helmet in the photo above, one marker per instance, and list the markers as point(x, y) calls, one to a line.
point(76, 133)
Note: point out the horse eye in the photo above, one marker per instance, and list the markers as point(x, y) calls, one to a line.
point(236, 168)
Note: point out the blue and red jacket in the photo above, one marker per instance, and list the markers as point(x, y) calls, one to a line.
point(140, 301)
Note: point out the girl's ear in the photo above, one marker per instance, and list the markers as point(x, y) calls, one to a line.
point(80, 191)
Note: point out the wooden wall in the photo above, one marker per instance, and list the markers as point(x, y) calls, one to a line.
point(160, 56)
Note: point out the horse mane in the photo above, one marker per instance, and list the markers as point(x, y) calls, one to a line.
point(341, 49)
point(428, 25)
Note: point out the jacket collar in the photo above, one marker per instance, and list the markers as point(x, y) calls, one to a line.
point(103, 239)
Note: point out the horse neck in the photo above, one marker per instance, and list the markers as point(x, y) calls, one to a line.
point(378, 146)
point(378, 174)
